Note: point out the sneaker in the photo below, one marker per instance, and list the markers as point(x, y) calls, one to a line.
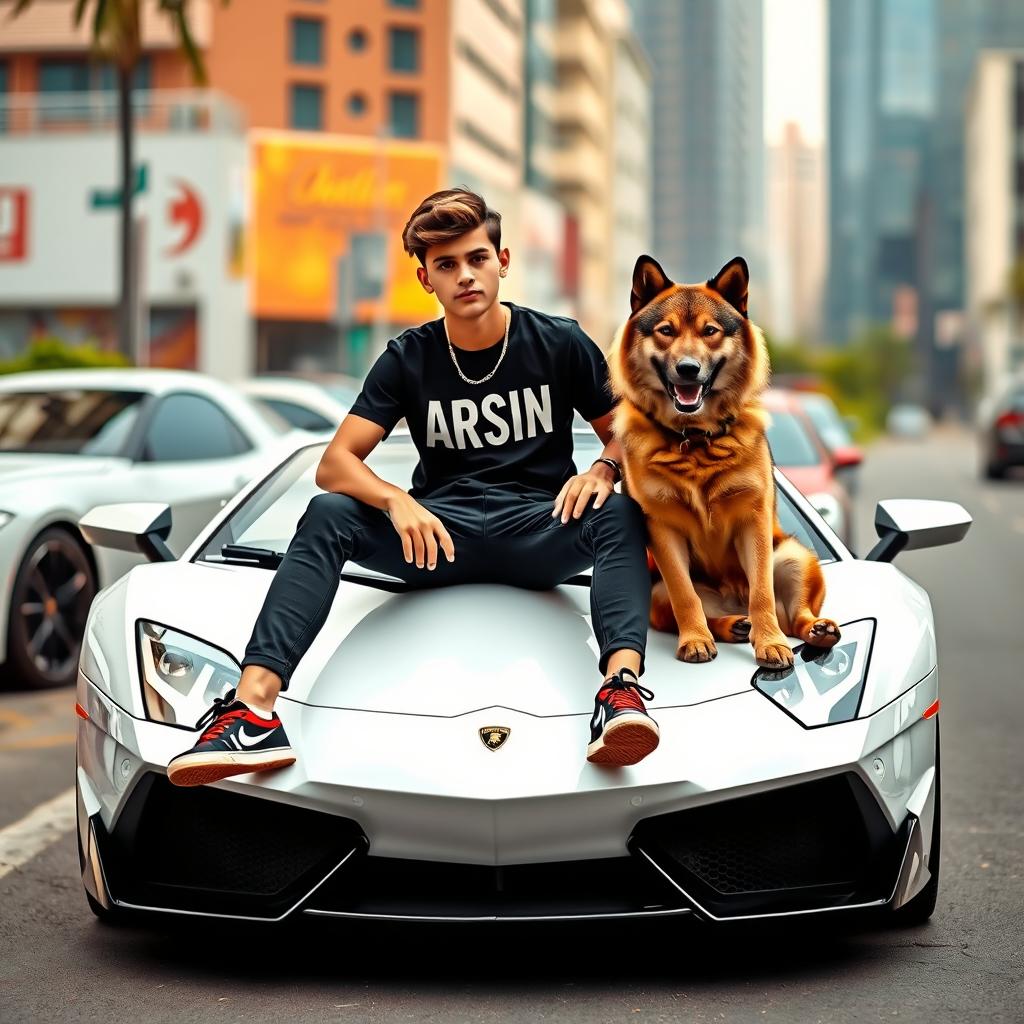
point(621, 731)
point(235, 741)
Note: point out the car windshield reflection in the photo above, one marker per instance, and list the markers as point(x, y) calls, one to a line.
point(269, 516)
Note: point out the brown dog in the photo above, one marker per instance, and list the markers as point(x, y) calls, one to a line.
point(688, 367)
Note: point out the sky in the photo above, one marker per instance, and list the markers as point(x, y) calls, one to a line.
point(794, 60)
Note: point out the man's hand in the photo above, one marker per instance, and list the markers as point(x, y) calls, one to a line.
point(597, 483)
point(421, 531)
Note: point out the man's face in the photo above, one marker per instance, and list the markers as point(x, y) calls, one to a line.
point(464, 273)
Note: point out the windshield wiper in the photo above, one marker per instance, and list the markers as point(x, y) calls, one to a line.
point(242, 554)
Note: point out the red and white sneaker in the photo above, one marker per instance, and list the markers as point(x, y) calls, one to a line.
point(621, 731)
point(235, 741)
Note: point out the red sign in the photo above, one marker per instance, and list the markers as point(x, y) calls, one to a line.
point(187, 211)
point(13, 224)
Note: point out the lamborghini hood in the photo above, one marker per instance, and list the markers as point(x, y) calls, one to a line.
point(451, 651)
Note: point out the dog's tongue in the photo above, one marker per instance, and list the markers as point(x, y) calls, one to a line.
point(688, 394)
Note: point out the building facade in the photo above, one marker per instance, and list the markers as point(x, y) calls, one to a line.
point(994, 218)
point(708, 135)
point(796, 237)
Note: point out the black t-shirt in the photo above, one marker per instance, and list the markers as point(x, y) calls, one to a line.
point(514, 428)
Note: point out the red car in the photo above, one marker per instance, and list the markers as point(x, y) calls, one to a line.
point(800, 453)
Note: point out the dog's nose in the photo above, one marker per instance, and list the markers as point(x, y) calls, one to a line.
point(688, 368)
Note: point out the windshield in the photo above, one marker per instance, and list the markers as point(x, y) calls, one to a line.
point(69, 421)
point(789, 442)
point(268, 517)
point(827, 421)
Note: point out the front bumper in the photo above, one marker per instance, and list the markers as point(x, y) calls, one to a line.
point(721, 827)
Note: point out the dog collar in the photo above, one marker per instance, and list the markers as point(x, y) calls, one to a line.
point(691, 437)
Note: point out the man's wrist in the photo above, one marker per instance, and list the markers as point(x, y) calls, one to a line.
point(610, 466)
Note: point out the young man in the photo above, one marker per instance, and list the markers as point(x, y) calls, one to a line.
point(489, 392)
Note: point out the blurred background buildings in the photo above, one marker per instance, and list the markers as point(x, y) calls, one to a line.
point(268, 205)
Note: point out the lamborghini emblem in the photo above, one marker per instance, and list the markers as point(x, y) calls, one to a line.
point(493, 736)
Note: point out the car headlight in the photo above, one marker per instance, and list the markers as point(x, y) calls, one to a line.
point(181, 675)
point(827, 506)
point(823, 687)
point(5, 518)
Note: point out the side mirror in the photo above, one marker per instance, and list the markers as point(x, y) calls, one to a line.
point(908, 524)
point(141, 527)
point(847, 456)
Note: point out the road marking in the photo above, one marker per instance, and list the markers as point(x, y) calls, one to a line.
point(15, 719)
point(64, 739)
point(39, 829)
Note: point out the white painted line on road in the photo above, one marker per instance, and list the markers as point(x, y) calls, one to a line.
point(39, 828)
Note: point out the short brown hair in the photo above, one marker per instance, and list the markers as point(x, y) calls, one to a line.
point(446, 215)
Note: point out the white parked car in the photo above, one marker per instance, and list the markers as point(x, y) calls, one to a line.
point(73, 439)
point(304, 404)
point(441, 739)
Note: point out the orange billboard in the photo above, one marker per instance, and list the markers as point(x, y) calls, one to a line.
point(327, 218)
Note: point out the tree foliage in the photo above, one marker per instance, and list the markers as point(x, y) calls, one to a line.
point(51, 353)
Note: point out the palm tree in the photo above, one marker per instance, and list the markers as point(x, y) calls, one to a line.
point(117, 37)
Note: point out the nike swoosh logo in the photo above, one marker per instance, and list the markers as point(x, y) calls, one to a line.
point(250, 741)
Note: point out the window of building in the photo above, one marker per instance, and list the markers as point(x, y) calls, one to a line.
point(64, 76)
point(408, 4)
point(404, 115)
point(187, 427)
point(307, 107)
point(307, 41)
point(81, 75)
point(357, 104)
point(357, 40)
point(405, 49)
point(3, 97)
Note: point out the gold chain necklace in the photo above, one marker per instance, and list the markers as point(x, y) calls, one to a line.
point(504, 347)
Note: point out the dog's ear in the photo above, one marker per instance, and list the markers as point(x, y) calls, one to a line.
point(731, 282)
point(648, 280)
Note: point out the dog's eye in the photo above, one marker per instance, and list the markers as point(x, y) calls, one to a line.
point(666, 330)
point(709, 329)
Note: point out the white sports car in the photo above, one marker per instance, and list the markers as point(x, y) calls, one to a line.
point(70, 439)
point(433, 784)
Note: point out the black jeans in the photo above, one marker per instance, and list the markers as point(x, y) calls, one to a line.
point(501, 535)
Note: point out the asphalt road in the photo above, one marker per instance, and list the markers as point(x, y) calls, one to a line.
point(58, 963)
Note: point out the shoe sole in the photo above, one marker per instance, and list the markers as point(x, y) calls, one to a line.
point(625, 741)
point(201, 769)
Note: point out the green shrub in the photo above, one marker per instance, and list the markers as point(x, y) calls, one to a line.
point(52, 353)
point(863, 378)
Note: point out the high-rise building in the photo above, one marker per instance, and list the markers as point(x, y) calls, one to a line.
point(963, 30)
point(708, 134)
point(881, 98)
point(796, 236)
point(631, 174)
point(994, 218)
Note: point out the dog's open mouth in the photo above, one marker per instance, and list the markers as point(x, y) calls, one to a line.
point(688, 397)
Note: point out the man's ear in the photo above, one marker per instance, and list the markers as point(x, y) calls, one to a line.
point(421, 275)
point(504, 258)
point(731, 282)
point(648, 280)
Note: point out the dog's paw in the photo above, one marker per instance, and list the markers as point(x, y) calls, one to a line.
point(696, 650)
point(821, 633)
point(773, 654)
point(730, 629)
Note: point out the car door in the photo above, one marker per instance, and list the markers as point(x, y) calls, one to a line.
point(193, 456)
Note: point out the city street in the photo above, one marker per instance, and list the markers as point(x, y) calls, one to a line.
point(57, 962)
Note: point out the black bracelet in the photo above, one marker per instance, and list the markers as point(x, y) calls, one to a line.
point(616, 468)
